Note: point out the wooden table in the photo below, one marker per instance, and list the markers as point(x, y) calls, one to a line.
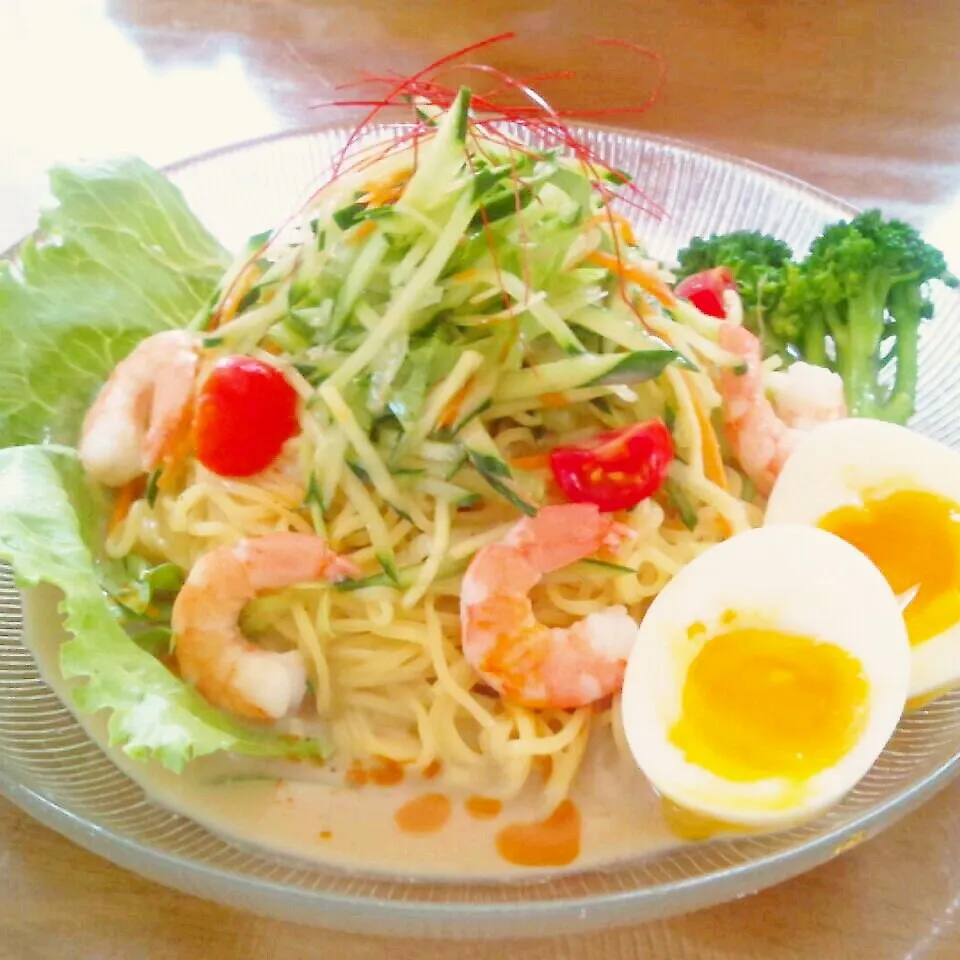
point(857, 97)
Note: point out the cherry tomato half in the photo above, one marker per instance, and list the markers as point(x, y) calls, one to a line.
point(616, 470)
point(705, 290)
point(246, 412)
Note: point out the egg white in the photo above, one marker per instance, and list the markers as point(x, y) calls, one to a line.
point(833, 466)
point(792, 578)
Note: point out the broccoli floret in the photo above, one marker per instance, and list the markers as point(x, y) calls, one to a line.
point(759, 264)
point(854, 305)
point(864, 283)
point(797, 320)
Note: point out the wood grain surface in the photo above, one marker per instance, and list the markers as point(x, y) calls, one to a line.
point(860, 98)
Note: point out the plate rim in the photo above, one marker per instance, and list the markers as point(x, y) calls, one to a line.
point(411, 915)
point(430, 918)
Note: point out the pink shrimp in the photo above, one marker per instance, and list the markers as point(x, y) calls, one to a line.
point(140, 408)
point(522, 659)
point(212, 652)
point(763, 436)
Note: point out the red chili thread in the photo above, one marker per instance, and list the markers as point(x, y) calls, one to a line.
point(537, 116)
point(401, 87)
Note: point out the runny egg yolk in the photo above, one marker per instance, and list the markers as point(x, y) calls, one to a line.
point(914, 538)
point(759, 703)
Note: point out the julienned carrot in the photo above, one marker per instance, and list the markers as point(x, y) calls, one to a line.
point(175, 452)
point(554, 401)
point(649, 282)
point(709, 445)
point(378, 193)
point(726, 529)
point(362, 232)
point(607, 217)
point(534, 461)
point(269, 345)
point(238, 290)
point(452, 410)
point(124, 500)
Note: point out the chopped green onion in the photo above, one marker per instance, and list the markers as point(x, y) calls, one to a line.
point(153, 487)
point(681, 503)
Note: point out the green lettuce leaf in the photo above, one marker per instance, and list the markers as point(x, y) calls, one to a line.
point(154, 715)
point(121, 256)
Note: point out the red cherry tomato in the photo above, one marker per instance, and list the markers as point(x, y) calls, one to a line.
point(705, 290)
point(246, 412)
point(616, 470)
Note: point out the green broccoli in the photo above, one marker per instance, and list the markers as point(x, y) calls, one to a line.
point(797, 320)
point(759, 265)
point(853, 305)
point(869, 277)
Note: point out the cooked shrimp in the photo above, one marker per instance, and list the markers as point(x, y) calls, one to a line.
point(522, 659)
point(805, 395)
point(210, 648)
point(139, 409)
point(762, 436)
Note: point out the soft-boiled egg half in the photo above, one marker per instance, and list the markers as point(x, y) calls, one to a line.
point(766, 678)
point(895, 495)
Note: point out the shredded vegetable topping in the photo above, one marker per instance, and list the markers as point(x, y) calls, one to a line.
point(435, 286)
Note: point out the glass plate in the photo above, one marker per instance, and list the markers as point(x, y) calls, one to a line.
point(54, 771)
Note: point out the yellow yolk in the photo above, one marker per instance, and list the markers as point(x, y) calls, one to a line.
point(914, 538)
point(760, 703)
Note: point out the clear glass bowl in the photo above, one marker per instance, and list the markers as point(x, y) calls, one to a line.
point(54, 771)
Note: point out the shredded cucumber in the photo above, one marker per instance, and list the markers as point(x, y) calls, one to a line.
point(440, 452)
point(369, 458)
point(445, 156)
point(443, 395)
point(679, 500)
point(585, 371)
point(403, 304)
point(611, 325)
point(424, 301)
point(528, 300)
point(373, 521)
point(431, 566)
point(483, 454)
point(244, 331)
point(363, 269)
